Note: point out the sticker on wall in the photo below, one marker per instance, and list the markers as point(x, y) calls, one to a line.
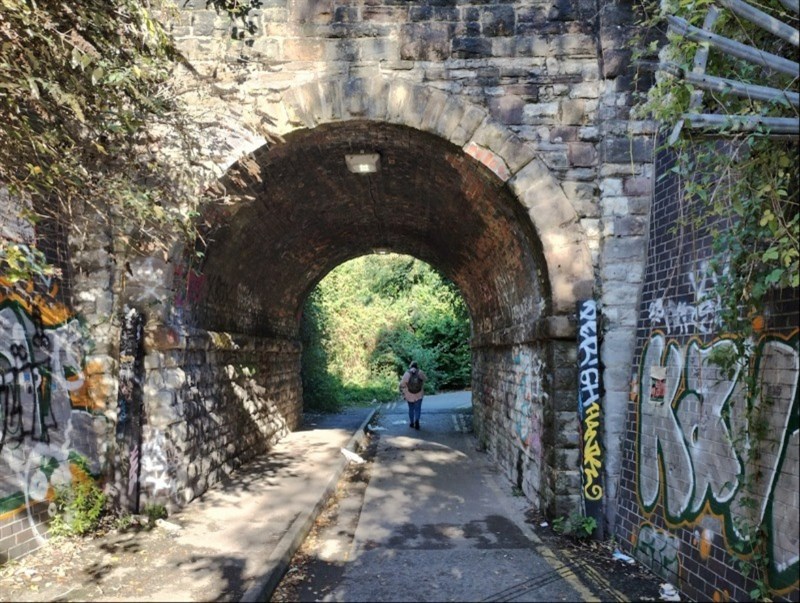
point(658, 384)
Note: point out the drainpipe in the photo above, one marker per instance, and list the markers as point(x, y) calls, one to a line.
point(129, 408)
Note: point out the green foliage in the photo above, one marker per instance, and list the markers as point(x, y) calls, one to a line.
point(79, 508)
point(749, 184)
point(575, 526)
point(154, 512)
point(753, 559)
point(92, 133)
point(368, 319)
point(743, 186)
point(123, 522)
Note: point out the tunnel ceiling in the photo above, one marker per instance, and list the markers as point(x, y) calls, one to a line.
point(296, 212)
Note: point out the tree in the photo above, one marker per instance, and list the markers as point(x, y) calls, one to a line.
point(370, 317)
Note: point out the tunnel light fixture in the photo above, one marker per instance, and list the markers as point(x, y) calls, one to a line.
point(363, 163)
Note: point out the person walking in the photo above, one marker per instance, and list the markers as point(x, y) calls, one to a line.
point(412, 387)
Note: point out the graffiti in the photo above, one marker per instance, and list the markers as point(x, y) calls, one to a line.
point(589, 391)
point(47, 407)
point(694, 448)
point(149, 277)
point(529, 394)
point(36, 361)
point(129, 406)
point(159, 465)
point(658, 550)
point(189, 285)
point(25, 374)
point(133, 472)
point(699, 314)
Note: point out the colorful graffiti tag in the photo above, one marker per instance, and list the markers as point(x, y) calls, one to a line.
point(529, 396)
point(48, 415)
point(589, 410)
point(696, 450)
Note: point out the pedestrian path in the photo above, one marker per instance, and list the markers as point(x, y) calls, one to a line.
point(236, 541)
point(232, 544)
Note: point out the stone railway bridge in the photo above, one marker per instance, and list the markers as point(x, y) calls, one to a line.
point(505, 126)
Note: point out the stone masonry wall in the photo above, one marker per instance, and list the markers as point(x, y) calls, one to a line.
point(212, 402)
point(697, 469)
point(554, 75)
point(549, 76)
point(510, 400)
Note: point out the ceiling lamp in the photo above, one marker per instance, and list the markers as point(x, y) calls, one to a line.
point(365, 163)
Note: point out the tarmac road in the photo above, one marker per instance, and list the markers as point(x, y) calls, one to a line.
point(438, 524)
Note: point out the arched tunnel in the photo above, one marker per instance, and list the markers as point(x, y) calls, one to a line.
point(297, 212)
point(291, 212)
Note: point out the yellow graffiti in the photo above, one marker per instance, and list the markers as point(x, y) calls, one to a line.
point(52, 312)
point(703, 541)
point(89, 390)
point(94, 391)
point(592, 459)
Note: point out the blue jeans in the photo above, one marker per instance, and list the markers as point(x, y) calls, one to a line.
point(414, 411)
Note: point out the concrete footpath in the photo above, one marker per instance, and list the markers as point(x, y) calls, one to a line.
point(232, 544)
point(236, 541)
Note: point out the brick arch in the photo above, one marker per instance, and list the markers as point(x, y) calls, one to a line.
point(464, 124)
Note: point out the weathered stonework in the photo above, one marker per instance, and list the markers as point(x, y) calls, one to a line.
point(506, 124)
point(212, 402)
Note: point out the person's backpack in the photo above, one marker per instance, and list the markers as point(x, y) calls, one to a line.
point(414, 382)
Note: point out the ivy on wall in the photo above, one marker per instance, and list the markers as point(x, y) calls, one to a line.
point(92, 132)
point(734, 158)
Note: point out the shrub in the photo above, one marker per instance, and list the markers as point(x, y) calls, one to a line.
point(575, 526)
point(79, 507)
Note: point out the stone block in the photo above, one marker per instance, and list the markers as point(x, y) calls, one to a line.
point(621, 150)
point(535, 111)
point(626, 226)
point(437, 102)
point(561, 327)
point(498, 20)
point(471, 48)
point(582, 154)
point(507, 109)
point(615, 62)
point(561, 134)
point(425, 42)
point(637, 186)
point(574, 45)
point(471, 119)
point(572, 112)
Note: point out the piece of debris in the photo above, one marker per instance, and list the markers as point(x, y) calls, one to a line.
point(352, 456)
point(544, 524)
point(168, 525)
point(620, 556)
point(377, 428)
point(668, 592)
